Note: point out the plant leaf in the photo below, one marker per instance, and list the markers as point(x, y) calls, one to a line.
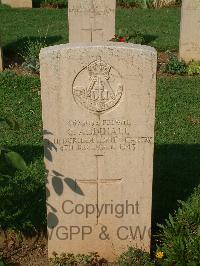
point(1, 263)
point(15, 160)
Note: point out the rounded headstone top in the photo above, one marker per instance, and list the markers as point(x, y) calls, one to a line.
point(109, 45)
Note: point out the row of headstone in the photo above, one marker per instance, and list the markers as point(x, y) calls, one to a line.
point(17, 3)
point(98, 106)
point(98, 116)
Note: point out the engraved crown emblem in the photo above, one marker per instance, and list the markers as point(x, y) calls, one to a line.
point(98, 68)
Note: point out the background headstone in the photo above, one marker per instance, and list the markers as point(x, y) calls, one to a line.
point(98, 104)
point(190, 30)
point(18, 3)
point(91, 20)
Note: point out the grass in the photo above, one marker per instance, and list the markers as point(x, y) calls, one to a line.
point(31, 24)
point(155, 24)
point(23, 195)
point(177, 149)
point(177, 143)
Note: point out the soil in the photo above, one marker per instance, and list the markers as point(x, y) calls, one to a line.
point(18, 250)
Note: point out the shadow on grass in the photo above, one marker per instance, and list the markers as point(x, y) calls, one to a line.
point(13, 50)
point(38, 3)
point(149, 38)
point(176, 173)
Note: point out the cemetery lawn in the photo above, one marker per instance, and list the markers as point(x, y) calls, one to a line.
point(177, 141)
point(156, 25)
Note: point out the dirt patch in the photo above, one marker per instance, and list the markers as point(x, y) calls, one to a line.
point(19, 70)
point(163, 58)
point(18, 250)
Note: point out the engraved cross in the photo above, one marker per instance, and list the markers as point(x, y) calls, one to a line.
point(92, 29)
point(99, 180)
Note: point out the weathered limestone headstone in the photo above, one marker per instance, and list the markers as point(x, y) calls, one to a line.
point(98, 106)
point(190, 30)
point(18, 3)
point(91, 20)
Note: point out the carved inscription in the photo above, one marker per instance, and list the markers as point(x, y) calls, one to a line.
point(96, 9)
point(98, 87)
point(113, 135)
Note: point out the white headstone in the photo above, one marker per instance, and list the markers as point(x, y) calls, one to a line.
point(98, 105)
point(190, 31)
point(91, 20)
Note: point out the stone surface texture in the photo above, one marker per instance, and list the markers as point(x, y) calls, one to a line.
point(190, 30)
point(18, 3)
point(98, 105)
point(91, 20)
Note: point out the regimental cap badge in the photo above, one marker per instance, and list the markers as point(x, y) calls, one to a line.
point(98, 86)
point(99, 68)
